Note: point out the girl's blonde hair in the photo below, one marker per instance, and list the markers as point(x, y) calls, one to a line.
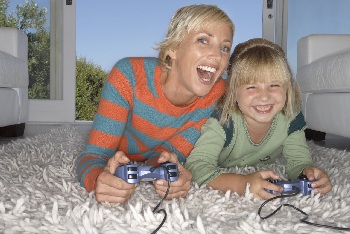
point(254, 61)
point(184, 20)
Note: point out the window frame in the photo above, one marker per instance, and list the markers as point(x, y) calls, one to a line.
point(61, 105)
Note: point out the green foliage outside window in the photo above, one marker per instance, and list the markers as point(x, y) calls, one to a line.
point(89, 82)
point(32, 20)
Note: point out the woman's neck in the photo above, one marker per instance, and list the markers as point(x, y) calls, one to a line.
point(175, 94)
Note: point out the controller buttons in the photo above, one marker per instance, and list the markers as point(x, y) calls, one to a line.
point(173, 174)
point(309, 186)
point(132, 176)
point(171, 167)
point(132, 168)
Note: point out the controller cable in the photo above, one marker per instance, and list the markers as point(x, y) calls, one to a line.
point(303, 220)
point(166, 194)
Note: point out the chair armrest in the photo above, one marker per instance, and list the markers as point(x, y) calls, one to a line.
point(317, 46)
point(14, 42)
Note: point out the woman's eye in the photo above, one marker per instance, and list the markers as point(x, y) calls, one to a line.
point(225, 49)
point(250, 87)
point(203, 41)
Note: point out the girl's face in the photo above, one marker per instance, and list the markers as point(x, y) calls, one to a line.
point(260, 102)
point(199, 60)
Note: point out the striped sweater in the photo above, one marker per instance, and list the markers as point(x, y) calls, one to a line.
point(135, 117)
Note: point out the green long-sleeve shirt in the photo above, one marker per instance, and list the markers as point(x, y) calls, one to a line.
point(231, 145)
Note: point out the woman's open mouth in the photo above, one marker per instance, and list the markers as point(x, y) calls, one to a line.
point(206, 74)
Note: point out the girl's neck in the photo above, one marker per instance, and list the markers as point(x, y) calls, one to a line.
point(257, 131)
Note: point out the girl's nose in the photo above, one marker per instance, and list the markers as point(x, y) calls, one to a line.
point(264, 95)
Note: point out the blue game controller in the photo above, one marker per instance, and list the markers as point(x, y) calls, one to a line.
point(299, 185)
point(133, 173)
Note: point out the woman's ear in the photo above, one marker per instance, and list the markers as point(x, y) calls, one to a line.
point(172, 54)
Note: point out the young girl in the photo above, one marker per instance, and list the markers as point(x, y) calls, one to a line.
point(258, 119)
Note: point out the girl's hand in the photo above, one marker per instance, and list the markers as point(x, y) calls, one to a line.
point(322, 184)
point(110, 188)
point(259, 182)
point(178, 188)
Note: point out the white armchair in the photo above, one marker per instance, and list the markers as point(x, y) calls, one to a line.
point(324, 78)
point(13, 81)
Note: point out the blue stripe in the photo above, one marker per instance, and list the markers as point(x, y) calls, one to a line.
point(191, 135)
point(93, 164)
point(111, 94)
point(125, 67)
point(161, 119)
point(107, 125)
point(150, 64)
point(96, 150)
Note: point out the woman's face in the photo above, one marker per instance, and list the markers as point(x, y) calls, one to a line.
point(200, 59)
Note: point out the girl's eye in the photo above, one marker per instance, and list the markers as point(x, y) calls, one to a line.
point(225, 49)
point(203, 41)
point(275, 85)
point(250, 87)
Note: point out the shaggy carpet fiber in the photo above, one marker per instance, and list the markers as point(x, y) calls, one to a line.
point(39, 193)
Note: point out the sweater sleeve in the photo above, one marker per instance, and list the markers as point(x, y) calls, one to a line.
point(297, 153)
point(203, 160)
point(108, 126)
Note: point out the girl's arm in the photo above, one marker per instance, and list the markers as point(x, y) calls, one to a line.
point(258, 182)
point(203, 160)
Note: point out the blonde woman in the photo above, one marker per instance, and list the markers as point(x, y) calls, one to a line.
point(151, 109)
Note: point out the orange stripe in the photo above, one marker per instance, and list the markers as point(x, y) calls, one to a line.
point(138, 67)
point(91, 177)
point(112, 111)
point(181, 144)
point(104, 140)
point(136, 157)
point(120, 83)
point(152, 130)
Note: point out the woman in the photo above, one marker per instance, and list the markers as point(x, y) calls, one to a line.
point(152, 109)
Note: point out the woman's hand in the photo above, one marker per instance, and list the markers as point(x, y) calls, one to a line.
point(178, 188)
point(322, 184)
point(110, 188)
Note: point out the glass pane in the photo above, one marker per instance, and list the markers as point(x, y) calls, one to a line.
point(33, 18)
point(110, 30)
point(315, 17)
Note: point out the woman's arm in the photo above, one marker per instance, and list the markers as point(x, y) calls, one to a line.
point(107, 129)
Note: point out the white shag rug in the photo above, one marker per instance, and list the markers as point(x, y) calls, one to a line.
point(39, 193)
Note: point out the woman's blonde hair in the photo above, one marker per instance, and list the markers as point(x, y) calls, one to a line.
point(254, 61)
point(184, 20)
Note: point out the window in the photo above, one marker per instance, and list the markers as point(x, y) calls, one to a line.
point(50, 27)
point(313, 17)
point(60, 107)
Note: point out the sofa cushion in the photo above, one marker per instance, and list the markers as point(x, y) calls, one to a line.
point(13, 71)
point(328, 74)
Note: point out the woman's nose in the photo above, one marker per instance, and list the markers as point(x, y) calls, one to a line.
point(215, 54)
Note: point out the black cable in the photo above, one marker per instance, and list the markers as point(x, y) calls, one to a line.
point(303, 220)
point(166, 194)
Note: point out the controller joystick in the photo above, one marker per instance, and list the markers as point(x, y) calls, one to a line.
point(133, 174)
point(301, 184)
